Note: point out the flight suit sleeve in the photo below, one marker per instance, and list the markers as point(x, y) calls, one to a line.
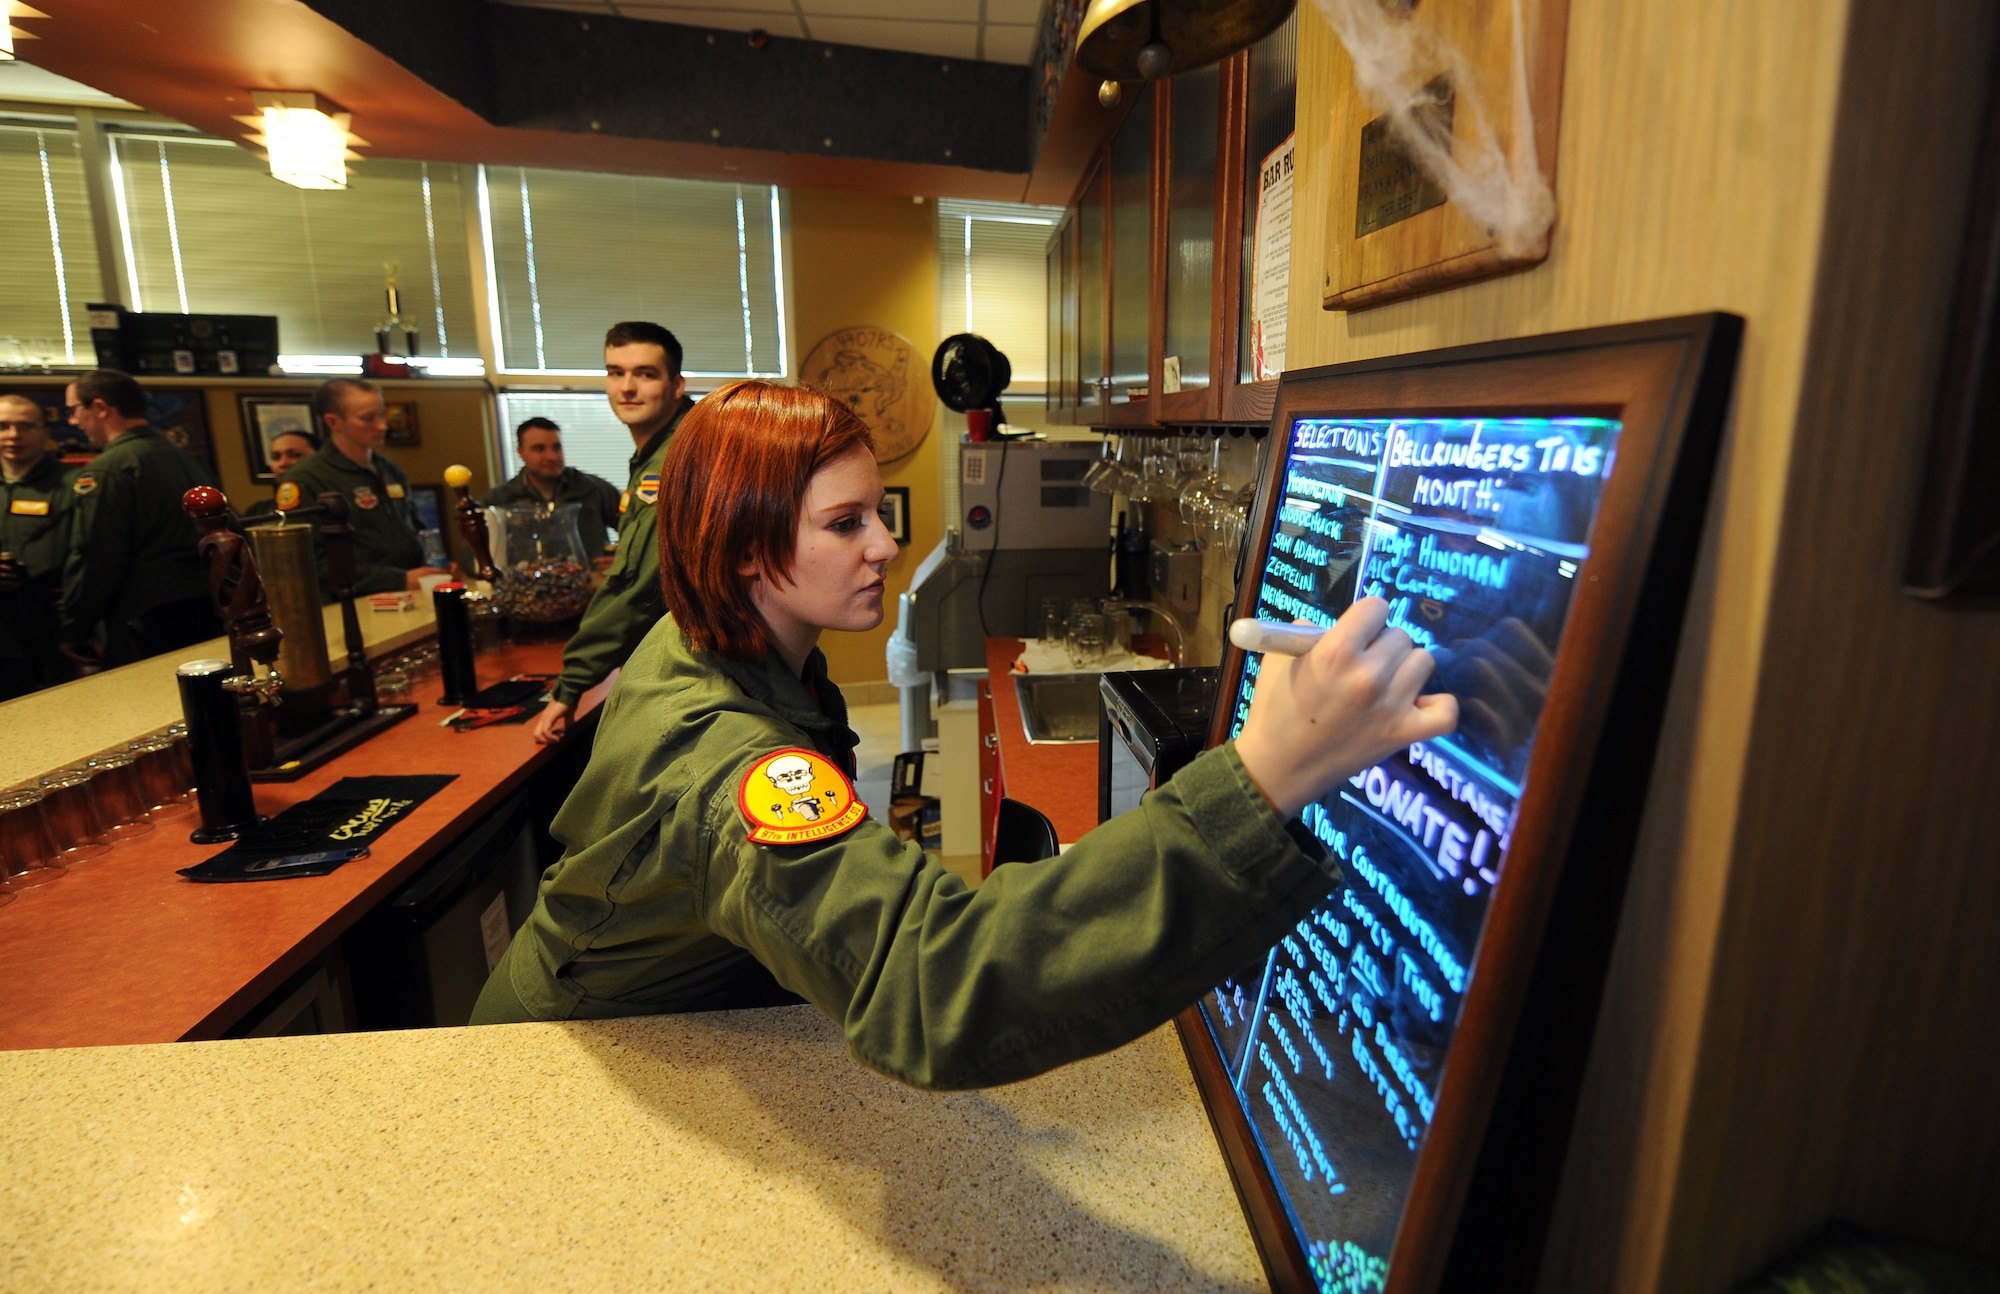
point(101, 543)
point(942, 986)
point(623, 611)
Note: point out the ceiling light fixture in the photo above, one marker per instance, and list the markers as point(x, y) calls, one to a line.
point(1144, 40)
point(10, 33)
point(305, 138)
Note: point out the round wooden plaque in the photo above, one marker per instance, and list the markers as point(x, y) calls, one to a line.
point(882, 378)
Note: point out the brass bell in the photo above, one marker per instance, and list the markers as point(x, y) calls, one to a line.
point(1143, 40)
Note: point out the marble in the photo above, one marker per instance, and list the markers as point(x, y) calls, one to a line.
point(60, 725)
point(737, 1150)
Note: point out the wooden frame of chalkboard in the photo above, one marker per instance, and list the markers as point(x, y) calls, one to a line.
point(1476, 1212)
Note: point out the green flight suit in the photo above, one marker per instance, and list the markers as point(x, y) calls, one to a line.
point(35, 514)
point(132, 557)
point(662, 903)
point(596, 501)
point(386, 547)
point(629, 603)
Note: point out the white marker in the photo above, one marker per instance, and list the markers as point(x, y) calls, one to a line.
point(1271, 636)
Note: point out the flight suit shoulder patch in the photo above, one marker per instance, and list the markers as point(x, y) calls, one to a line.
point(29, 507)
point(798, 797)
point(364, 496)
point(84, 483)
point(649, 487)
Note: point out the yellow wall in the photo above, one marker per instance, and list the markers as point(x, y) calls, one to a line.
point(861, 259)
point(1755, 1072)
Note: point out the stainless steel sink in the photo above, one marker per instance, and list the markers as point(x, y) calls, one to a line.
point(1058, 708)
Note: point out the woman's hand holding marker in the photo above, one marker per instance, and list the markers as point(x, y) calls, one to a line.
point(1319, 718)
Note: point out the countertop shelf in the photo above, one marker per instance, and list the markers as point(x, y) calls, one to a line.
point(734, 1150)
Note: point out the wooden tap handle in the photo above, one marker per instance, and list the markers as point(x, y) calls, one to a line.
point(472, 522)
point(233, 581)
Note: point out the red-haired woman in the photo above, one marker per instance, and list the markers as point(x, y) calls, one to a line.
point(716, 857)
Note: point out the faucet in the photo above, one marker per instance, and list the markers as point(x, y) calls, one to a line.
point(1177, 646)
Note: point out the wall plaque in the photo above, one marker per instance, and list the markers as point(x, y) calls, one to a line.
point(882, 378)
point(1485, 83)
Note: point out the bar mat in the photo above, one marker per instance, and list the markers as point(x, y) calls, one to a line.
point(317, 836)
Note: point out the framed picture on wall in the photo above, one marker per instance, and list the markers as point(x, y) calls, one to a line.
point(403, 428)
point(267, 417)
point(895, 512)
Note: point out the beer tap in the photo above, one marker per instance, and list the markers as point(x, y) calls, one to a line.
point(225, 736)
point(471, 522)
point(238, 592)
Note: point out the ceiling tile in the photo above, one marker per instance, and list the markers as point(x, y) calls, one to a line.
point(944, 39)
point(779, 22)
point(1010, 44)
point(1012, 12)
point(928, 10)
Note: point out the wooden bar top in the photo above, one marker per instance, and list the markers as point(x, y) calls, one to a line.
point(1059, 778)
point(123, 950)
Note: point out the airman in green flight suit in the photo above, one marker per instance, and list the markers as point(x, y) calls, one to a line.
point(716, 856)
point(35, 506)
point(642, 379)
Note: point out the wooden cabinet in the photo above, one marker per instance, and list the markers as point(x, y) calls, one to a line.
point(1148, 315)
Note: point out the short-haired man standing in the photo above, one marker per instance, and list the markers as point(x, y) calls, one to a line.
point(388, 556)
point(35, 506)
point(133, 567)
point(545, 478)
point(642, 379)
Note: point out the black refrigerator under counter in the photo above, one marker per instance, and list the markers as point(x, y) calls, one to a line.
point(420, 959)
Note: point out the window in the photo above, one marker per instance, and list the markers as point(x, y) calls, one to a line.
point(992, 258)
point(48, 252)
point(207, 230)
point(594, 441)
point(572, 253)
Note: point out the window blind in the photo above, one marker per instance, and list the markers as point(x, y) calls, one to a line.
point(594, 441)
point(48, 253)
point(993, 264)
point(207, 230)
point(573, 253)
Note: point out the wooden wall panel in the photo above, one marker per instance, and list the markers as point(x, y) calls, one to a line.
point(1798, 931)
point(1847, 1064)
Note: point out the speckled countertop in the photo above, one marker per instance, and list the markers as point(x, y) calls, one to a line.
point(77, 720)
point(739, 1150)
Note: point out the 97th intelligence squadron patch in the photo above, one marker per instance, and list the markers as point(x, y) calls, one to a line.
point(796, 797)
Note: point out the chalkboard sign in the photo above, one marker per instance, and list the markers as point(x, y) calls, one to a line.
point(1505, 500)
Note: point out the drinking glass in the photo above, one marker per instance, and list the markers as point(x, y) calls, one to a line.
point(159, 776)
point(27, 854)
point(76, 823)
point(121, 795)
point(1052, 620)
point(1086, 639)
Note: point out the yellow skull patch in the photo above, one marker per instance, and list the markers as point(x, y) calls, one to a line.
point(796, 797)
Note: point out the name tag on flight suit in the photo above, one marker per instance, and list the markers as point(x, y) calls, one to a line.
point(29, 507)
point(395, 491)
point(796, 797)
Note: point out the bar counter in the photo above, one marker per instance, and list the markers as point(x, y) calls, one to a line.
point(735, 1150)
point(123, 950)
